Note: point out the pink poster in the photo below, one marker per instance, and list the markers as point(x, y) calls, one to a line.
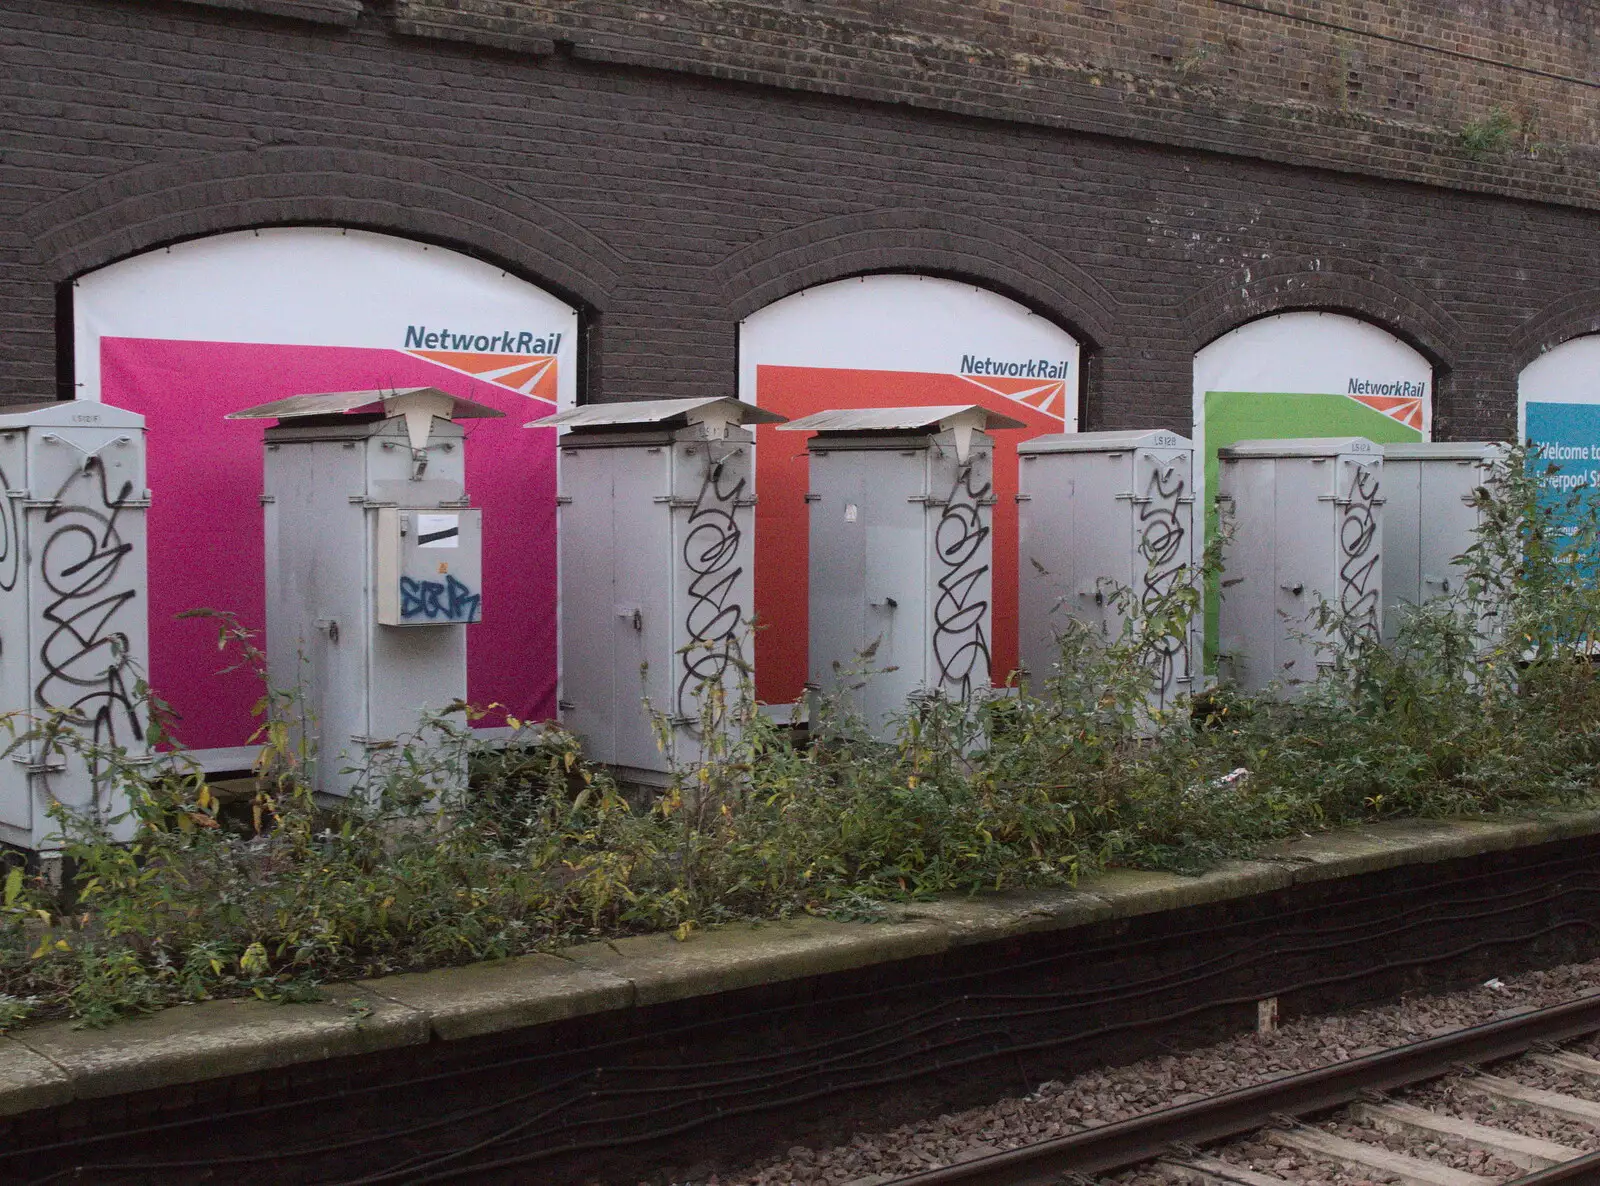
point(205, 522)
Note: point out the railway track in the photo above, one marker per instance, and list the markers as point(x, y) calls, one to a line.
point(1190, 1143)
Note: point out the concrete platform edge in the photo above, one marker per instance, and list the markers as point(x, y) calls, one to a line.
point(51, 1064)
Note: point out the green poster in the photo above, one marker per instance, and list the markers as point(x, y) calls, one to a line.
point(1232, 416)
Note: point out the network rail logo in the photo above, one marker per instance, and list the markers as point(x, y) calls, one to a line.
point(1398, 399)
point(1040, 383)
point(506, 341)
point(1028, 368)
point(523, 360)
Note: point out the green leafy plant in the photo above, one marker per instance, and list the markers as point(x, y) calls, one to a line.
point(1494, 133)
point(458, 850)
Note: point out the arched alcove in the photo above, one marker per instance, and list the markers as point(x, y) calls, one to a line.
point(1558, 409)
point(888, 340)
point(188, 333)
point(1304, 374)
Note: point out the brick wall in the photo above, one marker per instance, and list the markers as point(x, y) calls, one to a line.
point(1436, 63)
point(670, 194)
point(1406, 88)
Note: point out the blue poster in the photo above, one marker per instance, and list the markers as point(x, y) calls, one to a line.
point(1565, 449)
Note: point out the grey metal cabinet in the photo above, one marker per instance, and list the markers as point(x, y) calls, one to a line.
point(1100, 511)
point(374, 569)
point(1429, 519)
point(901, 554)
point(657, 539)
point(1307, 531)
point(74, 610)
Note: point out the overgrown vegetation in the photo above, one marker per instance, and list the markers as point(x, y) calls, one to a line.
point(1493, 133)
point(1486, 703)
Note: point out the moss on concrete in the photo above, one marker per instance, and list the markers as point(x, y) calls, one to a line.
point(50, 1064)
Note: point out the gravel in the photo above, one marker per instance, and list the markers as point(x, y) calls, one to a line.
point(1117, 1093)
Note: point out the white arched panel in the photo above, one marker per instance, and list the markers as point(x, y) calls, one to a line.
point(188, 333)
point(1303, 374)
point(886, 341)
point(1558, 410)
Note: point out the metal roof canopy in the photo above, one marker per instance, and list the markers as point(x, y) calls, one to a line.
point(716, 413)
point(961, 419)
point(419, 406)
point(1446, 451)
point(1105, 442)
point(1299, 447)
point(67, 413)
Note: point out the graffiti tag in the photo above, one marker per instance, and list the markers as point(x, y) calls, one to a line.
point(448, 600)
point(84, 653)
point(1162, 539)
point(960, 612)
point(714, 623)
point(1358, 568)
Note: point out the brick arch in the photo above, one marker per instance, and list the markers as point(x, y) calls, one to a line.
point(1323, 285)
point(1575, 315)
point(155, 205)
point(925, 242)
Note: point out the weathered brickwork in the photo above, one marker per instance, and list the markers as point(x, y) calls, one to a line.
point(640, 170)
point(1414, 89)
point(1433, 62)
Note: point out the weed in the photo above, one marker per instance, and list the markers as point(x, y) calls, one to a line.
point(1491, 134)
point(458, 851)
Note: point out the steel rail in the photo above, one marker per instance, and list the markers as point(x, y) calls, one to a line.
point(1585, 1169)
point(1143, 1138)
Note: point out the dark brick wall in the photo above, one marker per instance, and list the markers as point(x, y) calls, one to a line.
point(1406, 88)
point(670, 202)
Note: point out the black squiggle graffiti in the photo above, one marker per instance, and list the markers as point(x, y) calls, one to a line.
point(1358, 533)
point(1162, 539)
point(714, 623)
point(85, 655)
point(960, 638)
point(10, 539)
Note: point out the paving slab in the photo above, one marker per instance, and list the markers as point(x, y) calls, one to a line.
point(986, 917)
point(504, 994)
point(191, 1043)
point(742, 956)
point(1130, 892)
point(29, 1080)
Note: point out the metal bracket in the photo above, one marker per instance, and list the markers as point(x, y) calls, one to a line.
point(44, 767)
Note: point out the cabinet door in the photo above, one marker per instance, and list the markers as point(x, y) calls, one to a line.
point(1303, 573)
point(642, 611)
point(88, 596)
point(1360, 555)
point(1163, 550)
point(1405, 533)
point(713, 547)
point(1449, 524)
point(589, 602)
point(961, 573)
